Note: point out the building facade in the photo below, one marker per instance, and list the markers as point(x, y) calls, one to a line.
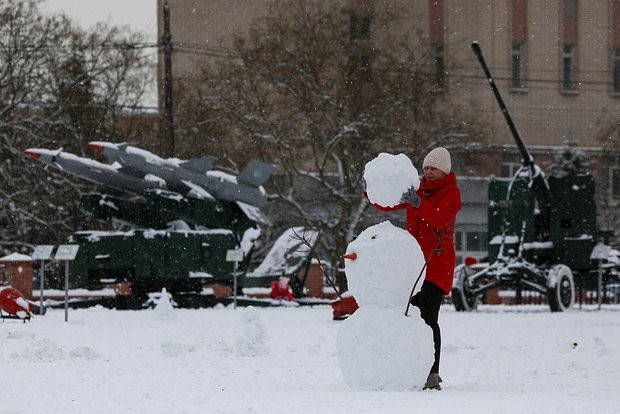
point(556, 64)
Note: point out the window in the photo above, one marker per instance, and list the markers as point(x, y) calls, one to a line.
point(362, 64)
point(472, 243)
point(436, 30)
point(568, 67)
point(360, 27)
point(458, 241)
point(570, 8)
point(510, 164)
point(517, 66)
point(616, 70)
point(438, 69)
point(476, 241)
point(569, 39)
point(615, 183)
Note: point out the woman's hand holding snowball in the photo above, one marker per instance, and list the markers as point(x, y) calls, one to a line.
point(411, 197)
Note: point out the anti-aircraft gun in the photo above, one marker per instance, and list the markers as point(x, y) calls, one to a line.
point(541, 230)
point(185, 217)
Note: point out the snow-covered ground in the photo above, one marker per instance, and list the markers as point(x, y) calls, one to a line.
point(499, 359)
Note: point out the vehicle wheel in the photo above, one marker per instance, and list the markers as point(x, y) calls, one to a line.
point(561, 288)
point(462, 298)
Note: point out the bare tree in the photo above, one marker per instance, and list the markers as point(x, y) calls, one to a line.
point(319, 99)
point(59, 87)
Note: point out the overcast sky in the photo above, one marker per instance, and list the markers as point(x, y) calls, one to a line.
point(140, 15)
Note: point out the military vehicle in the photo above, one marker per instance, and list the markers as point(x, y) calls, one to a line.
point(185, 218)
point(541, 231)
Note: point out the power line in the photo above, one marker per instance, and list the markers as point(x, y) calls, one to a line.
point(221, 51)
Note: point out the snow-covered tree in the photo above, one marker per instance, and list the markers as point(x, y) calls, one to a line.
point(318, 99)
point(59, 87)
point(569, 160)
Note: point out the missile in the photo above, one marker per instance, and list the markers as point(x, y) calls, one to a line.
point(94, 171)
point(196, 175)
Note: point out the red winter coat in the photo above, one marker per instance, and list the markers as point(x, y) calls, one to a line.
point(433, 220)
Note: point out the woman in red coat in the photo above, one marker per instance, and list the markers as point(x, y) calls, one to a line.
point(431, 213)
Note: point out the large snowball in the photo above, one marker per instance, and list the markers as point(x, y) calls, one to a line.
point(379, 349)
point(388, 262)
point(388, 177)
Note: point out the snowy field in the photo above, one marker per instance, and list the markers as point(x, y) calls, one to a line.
point(496, 360)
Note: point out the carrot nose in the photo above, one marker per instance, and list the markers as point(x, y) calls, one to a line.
point(350, 256)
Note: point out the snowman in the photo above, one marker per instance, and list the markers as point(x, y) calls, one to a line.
point(379, 348)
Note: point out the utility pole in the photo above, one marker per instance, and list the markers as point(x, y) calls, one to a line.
point(168, 116)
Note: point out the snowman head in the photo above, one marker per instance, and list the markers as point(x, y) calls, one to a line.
point(382, 264)
point(388, 176)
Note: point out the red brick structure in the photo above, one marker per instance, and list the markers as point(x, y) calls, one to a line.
point(16, 271)
point(315, 282)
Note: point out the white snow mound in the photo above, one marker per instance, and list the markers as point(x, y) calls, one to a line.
point(164, 309)
point(388, 176)
point(253, 339)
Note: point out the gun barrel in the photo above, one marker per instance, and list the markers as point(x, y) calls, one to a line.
point(528, 160)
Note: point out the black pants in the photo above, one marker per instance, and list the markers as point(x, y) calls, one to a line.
point(429, 299)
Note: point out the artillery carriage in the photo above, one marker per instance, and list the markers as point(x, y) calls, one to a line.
point(541, 232)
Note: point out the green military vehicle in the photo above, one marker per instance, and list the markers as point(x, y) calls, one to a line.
point(185, 219)
point(541, 232)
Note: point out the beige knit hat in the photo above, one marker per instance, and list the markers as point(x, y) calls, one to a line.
point(438, 158)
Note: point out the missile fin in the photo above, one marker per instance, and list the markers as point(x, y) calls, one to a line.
point(254, 213)
point(256, 173)
point(131, 171)
point(197, 191)
point(200, 165)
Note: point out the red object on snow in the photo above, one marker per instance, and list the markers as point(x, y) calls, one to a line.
point(14, 303)
point(344, 308)
point(280, 289)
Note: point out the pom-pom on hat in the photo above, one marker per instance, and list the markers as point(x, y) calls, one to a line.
point(438, 158)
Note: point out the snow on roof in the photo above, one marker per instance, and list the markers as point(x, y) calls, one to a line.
point(287, 254)
point(16, 257)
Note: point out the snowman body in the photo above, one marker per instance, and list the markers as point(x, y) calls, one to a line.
point(379, 348)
